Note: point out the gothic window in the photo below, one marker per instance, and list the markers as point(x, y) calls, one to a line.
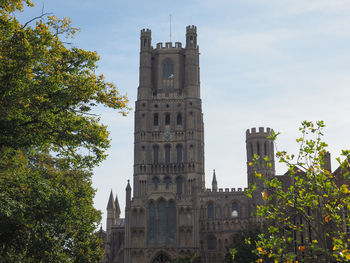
point(251, 150)
point(155, 181)
point(171, 221)
point(191, 40)
point(211, 243)
point(167, 119)
point(210, 211)
point(167, 182)
point(162, 231)
point(191, 153)
point(155, 154)
point(234, 211)
point(179, 119)
point(258, 149)
point(155, 119)
point(167, 154)
point(179, 182)
point(151, 233)
point(179, 153)
point(265, 148)
point(168, 69)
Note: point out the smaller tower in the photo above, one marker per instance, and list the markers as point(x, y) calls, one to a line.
point(258, 143)
point(191, 37)
point(111, 212)
point(214, 184)
point(145, 80)
point(192, 83)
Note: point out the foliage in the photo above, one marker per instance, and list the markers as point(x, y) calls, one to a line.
point(307, 217)
point(243, 244)
point(48, 89)
point(46, 210)
point(193, 258)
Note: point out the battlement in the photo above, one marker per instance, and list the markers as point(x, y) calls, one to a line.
point(191, 29)
point(146, 32)
point(262, 132)
point(227, 190)
point(169, 45)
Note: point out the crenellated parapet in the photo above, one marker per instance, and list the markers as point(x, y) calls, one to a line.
point(260, 133)
point(225, 190)
point(167, 45)
point(191, 29)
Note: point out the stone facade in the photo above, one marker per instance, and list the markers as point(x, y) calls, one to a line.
point(170, 213)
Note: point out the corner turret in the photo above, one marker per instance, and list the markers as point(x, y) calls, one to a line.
point(145, 89)
point(146, 39)
point(191, 36)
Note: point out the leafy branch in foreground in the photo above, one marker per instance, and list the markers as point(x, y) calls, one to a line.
point(307, 208)
point(47, 90)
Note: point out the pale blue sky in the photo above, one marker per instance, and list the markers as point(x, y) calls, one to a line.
point(269, 63)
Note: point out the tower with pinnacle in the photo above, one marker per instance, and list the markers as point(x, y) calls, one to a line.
point(168, 212)
point(168, 151)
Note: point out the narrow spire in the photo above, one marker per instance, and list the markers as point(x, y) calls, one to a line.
point(128, 187)
point(117, 207)
point(111, 204)
point(214, 183)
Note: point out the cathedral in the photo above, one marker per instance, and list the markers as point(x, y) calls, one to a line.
point(168, 211)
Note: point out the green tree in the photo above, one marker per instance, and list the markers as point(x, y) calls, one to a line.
point(307, 217)
point(243, 245)
point(46, 211)
point(48, 90)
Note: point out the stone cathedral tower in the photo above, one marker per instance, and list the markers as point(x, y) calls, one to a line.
point(168, 151)
point(168, 211)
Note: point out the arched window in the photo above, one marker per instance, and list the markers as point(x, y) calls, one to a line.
point(155, 154)
point(251, 150)
point(155, 119)
point(234, 211)
point(155, 181)
point(191, 40)
point(179, 182)
point(167, 154)
point(162, 231)
point(258, 149)
point(167, 119)
point(210, 211)
point(168, 69)
point(152, 225)
point(179, 119)
point(265, 148)
point(179, 153)
point(211, 243)
point(172, 221)
point(167, 182)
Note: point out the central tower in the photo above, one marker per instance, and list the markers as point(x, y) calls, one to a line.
point(168, 152)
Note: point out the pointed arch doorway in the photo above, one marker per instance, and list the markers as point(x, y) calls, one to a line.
point(161, 258)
